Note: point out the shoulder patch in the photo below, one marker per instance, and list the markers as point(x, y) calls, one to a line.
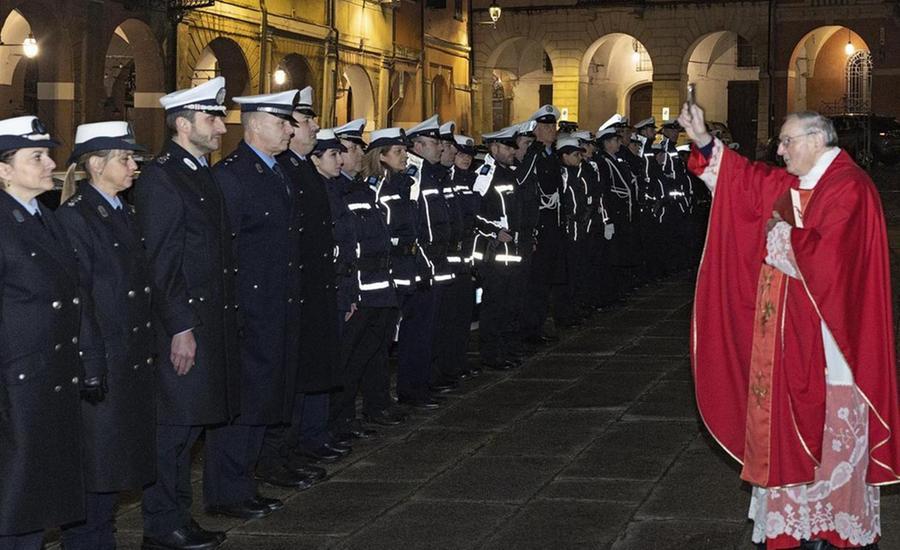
point(484, 170)
point(411, 170)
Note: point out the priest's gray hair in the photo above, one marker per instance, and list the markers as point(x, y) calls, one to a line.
point(814, 122)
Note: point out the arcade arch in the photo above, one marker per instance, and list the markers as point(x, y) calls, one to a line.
point(617, 77)
point(355, 98)
point(819, 68)
point(520, 76)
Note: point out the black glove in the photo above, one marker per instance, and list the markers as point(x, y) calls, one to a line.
point(94, 389)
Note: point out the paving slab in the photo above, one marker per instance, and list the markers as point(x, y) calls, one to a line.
point(678, 535)
point(570, 525)
point(667, 399)
point(609, 490)
point(604, 390)
point(505, 479)
point(642, 450)
point(430, 525)
point(658, 347)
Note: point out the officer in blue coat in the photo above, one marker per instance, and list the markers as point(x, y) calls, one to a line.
point(119, 426)
point(418, 328)
point(367, 333)
point(181, 214)
point(307, 439)
point(40, 370)
point(387, 172)
point(259, 202)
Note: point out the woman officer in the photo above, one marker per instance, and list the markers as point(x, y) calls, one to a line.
point(119, 426)
point(40, 371)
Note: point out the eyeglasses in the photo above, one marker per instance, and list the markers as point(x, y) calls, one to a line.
point(786, 141)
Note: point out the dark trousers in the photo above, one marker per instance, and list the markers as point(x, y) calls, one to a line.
point(365, 340)
point(97, 531)
point(414, 346)
point(167, 502)
point(308, 428)
point(26, 541)
point(232, 451)
point(500, 288)
point(452, 326)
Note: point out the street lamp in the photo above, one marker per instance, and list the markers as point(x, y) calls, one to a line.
point(635, 54)
point(848, 48)
point(29, 46)
point(280, 77)
point(494, 11)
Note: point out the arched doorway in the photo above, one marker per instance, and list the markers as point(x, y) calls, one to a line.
point(18, 74)
point(404, 109)
point(830, 72)
point(132, 84)
point(297, 73)
point(725, 69)
point(355, 98)
point(617, 77)
point(224, 57)
point(523, 69)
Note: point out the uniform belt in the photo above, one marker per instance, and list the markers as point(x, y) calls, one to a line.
point(374, 263)
point(405, 250)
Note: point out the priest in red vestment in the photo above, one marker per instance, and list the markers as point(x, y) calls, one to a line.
point(792, 342)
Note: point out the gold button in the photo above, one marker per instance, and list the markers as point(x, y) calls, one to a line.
point(57, 389)
point(76, 300)
point(131, 294)
point(75, 380)
point(57, 305)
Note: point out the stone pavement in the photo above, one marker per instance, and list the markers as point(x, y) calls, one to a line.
point(594, 443)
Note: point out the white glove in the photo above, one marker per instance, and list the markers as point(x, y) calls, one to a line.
point(608, 231)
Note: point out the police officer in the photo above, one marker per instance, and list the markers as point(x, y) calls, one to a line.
point(681, 196)
point(497, 244)
point(181, 213)
point(576, 205)
point(620, 231)
point(41, 375)
point(308, 439)
point(386, 171)
point(258, 201)
point(418, 329)
point(119, 426)
point(463, 176)
point(547, 276)
point(367, 332)
point(448, 359)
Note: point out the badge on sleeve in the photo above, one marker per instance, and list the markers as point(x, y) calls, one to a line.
point(190, 164)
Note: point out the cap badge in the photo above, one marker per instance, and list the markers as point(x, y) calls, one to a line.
point(220, 96)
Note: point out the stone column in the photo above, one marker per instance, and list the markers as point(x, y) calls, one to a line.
point(668, 92)
point(149, 120)
point(56, 104)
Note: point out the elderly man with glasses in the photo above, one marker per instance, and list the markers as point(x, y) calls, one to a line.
point(792, 340)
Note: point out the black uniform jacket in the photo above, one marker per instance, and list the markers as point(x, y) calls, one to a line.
point(262, 212)
point(119, 432)
point(435, 224)
point(392, 194)
point(189, 246)
point(40, 427)
point(318, 296)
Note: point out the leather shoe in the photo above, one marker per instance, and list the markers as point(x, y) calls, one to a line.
point(272, 503)
point(285, 478)
point(182, 538)
point(475, 371)
point(314, 473)
point(383, 417)
point(428, 404)
point(360, 433)
point(323, 453)
point(200, 531)
point(343, 450)
point(498, 365)
point(342, 440)
point(249, 509)
point(444, 387)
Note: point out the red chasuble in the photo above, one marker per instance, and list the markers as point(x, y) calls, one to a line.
point(756, 342)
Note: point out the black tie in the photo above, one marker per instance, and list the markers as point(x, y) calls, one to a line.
point(39, 218)
point(280, 173)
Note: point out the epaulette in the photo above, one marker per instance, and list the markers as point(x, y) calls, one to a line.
point(73, 201)
point(230, 158)
point(411, 170)
point(162, 159)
